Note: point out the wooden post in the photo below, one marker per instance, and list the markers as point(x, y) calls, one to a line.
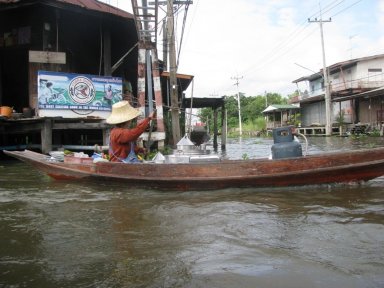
point(215, 129)
point(107, 52)
point(106, 133)
point(46, 136)
point(223, 127)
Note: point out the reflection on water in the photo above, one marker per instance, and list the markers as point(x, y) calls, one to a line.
point(261, 147)
point(65, 234)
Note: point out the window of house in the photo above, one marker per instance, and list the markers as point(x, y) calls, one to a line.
point(375, 74)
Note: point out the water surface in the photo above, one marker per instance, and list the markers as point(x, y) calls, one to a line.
point(67, 234)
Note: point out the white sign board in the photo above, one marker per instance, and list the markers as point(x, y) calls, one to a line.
point(47, 57)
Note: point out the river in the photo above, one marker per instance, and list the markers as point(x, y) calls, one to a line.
point(67, 234)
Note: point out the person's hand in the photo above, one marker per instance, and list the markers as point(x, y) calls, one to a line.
point(152, 115)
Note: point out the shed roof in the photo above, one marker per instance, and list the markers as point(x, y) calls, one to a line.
point(203, 102)
point(92, 5)
point(280, 107)
point(183, 80)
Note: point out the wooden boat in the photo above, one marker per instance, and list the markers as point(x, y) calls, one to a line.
point(335, 167)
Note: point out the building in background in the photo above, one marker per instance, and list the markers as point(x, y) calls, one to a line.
point(357, 93)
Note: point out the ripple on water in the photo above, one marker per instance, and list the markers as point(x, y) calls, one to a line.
point(65, 234)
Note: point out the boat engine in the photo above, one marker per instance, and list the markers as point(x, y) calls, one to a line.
point(284, 144)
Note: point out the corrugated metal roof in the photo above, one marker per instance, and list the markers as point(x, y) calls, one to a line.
point(93, 5)
point(280, 107)
point(337, 66)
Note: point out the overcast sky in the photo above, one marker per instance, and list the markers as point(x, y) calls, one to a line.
point(267, 43)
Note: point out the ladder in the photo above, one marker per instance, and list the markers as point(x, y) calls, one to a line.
point(149, 94)
point(146, 17)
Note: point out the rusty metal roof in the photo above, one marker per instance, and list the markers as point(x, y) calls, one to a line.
point(93, 5)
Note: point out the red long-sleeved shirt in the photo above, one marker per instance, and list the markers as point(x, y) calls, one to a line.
point(120, 139)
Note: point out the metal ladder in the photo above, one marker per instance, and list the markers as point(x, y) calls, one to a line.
point(146, 17)
point(148, 78)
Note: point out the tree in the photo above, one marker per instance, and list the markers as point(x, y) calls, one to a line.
point(251, 108)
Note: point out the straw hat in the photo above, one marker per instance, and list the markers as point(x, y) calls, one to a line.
point(122, 112)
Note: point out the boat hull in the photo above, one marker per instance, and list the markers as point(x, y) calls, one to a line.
point(340, 167)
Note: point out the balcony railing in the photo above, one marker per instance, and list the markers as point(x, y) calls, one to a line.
point(358, 84)
point(344, 86)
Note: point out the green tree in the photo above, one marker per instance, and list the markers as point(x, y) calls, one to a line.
point(252, 108)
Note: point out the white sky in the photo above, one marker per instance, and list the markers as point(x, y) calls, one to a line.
point(261, 41)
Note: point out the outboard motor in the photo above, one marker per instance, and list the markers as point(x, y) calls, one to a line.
point(284, 145)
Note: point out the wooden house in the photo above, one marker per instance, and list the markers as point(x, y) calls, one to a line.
point(66, 36)
point(84, 37)
point(63, 36)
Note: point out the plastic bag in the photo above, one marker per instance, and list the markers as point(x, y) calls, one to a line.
point(132, 157)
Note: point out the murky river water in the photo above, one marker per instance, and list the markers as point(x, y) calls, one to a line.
point(65, 234)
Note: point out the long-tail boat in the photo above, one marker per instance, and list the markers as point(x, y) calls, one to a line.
point(331, 167)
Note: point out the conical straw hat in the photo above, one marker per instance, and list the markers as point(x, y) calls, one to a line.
point(122, 112)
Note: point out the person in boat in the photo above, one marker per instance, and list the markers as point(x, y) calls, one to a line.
point(125, 133)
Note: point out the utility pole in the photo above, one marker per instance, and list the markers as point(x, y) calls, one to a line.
point(266, 99)
point(327, 97)
point(172, 74)
point(237, 78)
point(173, 67)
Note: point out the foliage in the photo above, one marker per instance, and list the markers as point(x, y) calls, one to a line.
point(340, 119)
point(375, 133)
point(258, 124)
point(294, 94)
point(295, 119)
point(252, 108)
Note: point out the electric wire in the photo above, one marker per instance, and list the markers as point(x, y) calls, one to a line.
point(282, 49)
point(341, 11)
point(182, 32)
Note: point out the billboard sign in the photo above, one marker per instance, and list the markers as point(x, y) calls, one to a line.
point(80, 93)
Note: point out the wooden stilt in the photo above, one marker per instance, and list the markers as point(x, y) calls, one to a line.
point(46, 136)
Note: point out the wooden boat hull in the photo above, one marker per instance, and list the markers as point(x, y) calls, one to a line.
point(339, 167)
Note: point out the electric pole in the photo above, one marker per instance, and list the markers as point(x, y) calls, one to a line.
point(237, 78)
point(174, 89)
point(172, 74)
point(327, 95)
point(266, 99)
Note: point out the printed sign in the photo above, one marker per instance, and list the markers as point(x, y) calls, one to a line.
point(78, 92)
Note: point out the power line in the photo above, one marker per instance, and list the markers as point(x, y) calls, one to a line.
point(282, 48)
point(346, 8)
